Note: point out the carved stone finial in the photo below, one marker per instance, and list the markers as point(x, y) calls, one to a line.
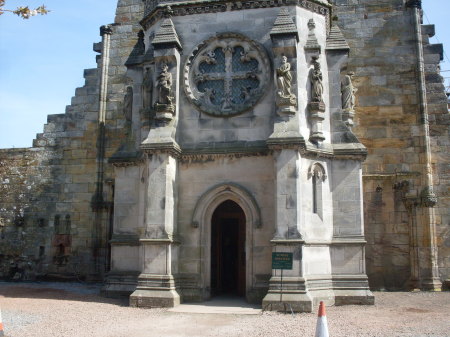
point(336, 40)
point(414, 4)
point(284, 25)
point(106, 29)
point(166, 35)
point(312, 44)
point(168, 12)
point(286, 100)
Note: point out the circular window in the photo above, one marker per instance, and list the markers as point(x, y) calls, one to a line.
point(226, 75)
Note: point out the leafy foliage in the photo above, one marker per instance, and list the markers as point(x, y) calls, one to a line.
point(24, 12)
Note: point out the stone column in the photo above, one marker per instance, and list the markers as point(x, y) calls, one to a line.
point(286, 141)
point(159, 247)
point(426, 217)
point(287, 237)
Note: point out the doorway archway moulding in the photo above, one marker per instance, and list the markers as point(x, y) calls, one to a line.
point(228, 191)
point(202, 217)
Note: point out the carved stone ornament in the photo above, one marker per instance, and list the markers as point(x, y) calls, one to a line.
point(317, 169)
point(106, 30)
point(226, 75)
point(153, 12)
point(164, 106)
point(414, 4)
point(128, 104)
point(147, 89)
point(428, 198)
point(286, 101)
point(316, 82)
point(348, 99)
point(348, 92)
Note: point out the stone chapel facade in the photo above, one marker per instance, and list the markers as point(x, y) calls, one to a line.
point(215, 133)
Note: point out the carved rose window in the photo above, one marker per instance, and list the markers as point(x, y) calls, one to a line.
point(226, 75)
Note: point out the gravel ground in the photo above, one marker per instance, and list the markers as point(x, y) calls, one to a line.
point(68, 309)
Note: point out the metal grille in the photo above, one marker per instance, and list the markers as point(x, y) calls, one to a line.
point(242, 65)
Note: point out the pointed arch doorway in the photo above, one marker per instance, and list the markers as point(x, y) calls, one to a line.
point(228, 256)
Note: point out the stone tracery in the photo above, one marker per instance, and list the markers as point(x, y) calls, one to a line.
point(226, 75)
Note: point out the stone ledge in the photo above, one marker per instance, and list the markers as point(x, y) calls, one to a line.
point(181, 8)
point(159, 241)
point(124, 240)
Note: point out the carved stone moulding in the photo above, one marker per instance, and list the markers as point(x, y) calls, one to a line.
point(226, 75)
point(164, 112)
point(154, 8)
point(316, 116)
point(316, 106)
point(286, 105)
point(347, 117)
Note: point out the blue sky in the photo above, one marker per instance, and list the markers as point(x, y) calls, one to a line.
point(42, 59)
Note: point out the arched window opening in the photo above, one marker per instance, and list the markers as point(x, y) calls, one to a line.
point(317, 174)
point(317, 195)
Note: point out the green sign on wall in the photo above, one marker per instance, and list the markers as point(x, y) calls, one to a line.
point(282, 261)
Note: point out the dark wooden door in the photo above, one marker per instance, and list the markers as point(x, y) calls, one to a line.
point(228, 258)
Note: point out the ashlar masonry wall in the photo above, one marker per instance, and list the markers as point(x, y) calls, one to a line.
point(388, 122)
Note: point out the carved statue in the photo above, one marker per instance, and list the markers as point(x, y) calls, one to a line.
point(164, 85)
point(286, 101)
point(316, 82)
point(147, 88)
point(348, 92)
point(284, 78)
point(128, 104)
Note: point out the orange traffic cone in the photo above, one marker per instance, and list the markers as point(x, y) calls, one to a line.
point(1, 324)
point(322, 325)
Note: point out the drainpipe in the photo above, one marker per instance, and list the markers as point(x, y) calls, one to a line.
point(430, 276)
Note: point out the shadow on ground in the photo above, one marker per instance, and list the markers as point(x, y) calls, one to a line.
point(58, 291)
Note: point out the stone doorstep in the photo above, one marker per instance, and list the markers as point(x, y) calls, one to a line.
point(219, 305)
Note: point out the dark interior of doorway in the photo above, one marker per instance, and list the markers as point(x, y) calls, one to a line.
point(228, 250)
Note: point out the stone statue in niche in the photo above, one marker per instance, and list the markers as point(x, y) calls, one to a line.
point(147, 88)
point(286, 100)
point(164, 106)
point(284, 78)
point(317, 105)
point(348, 99)
point(348, 92)
point(128, 104)
point(164, 85)
point(316, 82)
